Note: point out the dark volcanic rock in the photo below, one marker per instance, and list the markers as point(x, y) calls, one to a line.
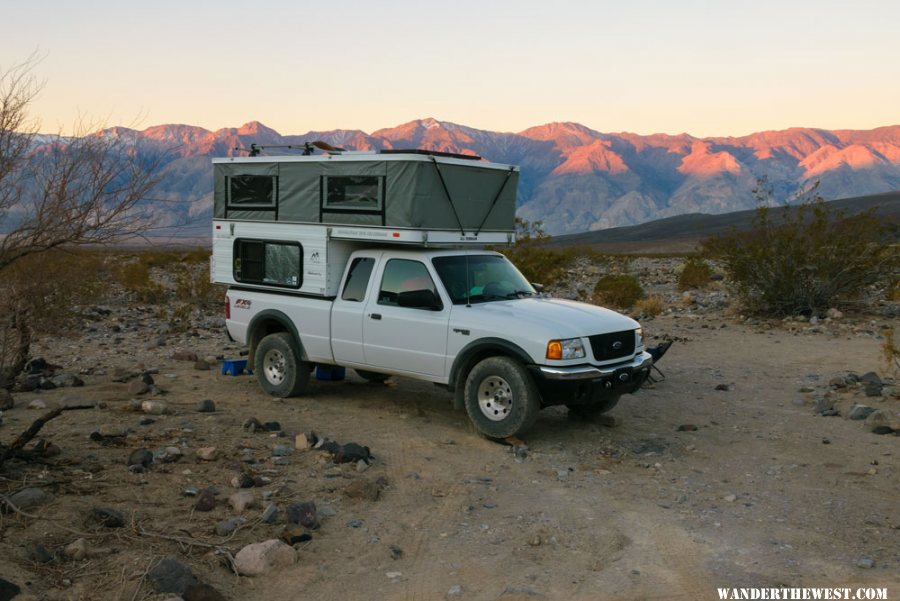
point(304, 514)
point(206, 500)
point(141, 457)
point(109, 517)
point(171, 576)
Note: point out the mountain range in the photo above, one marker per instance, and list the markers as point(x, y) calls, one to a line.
point(573, 178)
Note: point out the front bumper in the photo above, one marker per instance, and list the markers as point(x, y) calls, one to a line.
point(586, 384)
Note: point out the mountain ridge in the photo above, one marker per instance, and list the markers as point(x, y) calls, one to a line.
point(574, 178)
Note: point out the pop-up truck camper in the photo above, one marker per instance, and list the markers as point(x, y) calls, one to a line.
point(376, 261)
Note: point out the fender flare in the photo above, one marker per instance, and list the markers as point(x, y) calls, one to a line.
point(253, 334)
point(466, 359)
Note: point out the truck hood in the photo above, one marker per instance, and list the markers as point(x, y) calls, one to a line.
point(547, 318)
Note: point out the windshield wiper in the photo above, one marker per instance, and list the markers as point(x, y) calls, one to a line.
point(520, 293)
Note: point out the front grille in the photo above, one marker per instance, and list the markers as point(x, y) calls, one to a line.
point(612, 346)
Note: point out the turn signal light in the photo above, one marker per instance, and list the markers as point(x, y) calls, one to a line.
point(554, 349)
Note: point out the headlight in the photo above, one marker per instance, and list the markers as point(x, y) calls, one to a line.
point(639, 338)
point(571, 348)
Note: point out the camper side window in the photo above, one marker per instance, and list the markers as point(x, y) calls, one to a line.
point(252, 191)
point(353, 193)
point(270, 263)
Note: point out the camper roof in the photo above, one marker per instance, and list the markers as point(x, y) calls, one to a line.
point(427, 156)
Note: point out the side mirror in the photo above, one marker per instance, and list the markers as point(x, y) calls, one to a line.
point(538, 287)
point(420, 299)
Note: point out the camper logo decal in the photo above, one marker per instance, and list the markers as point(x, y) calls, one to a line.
point(314, 258)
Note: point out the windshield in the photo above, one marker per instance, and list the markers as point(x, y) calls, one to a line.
point(485, 277)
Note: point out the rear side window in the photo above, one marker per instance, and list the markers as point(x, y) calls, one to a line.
point(268, 262)
point(358, 279)
point(252, 191)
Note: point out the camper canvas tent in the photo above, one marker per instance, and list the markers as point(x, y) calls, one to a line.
point(394, 189)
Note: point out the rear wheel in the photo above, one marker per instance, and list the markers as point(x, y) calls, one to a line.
point(501, 398)
point(594, 409)
point(280, 370)
point(371, 376)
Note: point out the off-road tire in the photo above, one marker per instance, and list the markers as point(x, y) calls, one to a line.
point(371, 376)
point(501, 398)
point(592, 410)
point(280, 370)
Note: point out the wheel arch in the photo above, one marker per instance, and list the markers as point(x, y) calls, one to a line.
point(268, 322)
point(476, 351)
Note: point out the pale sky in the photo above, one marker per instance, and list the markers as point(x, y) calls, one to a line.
point(726, 67)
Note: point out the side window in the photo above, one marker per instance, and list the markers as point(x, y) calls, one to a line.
point(252, 191)
point(408, 284)
point(358, 279)
point(268, 262)
point(353, 193)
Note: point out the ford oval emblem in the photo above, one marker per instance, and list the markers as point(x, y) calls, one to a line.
point(617, 345)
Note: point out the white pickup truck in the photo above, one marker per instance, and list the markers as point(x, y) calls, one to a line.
point(464, 319)
point(368, 260)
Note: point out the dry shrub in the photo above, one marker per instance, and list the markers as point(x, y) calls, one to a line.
point(532, 257)
point(807, 258)
point(651, 306)
point(891, 351)
point(194, 288)
point(617, 290)
point(696, 273)
point(136, 278)
point(44, 294)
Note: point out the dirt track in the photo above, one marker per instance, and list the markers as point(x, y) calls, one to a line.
point(634, 511)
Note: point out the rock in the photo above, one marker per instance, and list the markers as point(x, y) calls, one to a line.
point(363, 489)
point(686, 428)
point(6, 400)
point(206, 406)
point(882, 430)
point(76, 550)
point(859, 412)
point(262, 558)
point(185, 356)
point(141, 457)
point(454, 591)
point(66, 380)
point(562, 475)
point(327, 511)
point(882, 418)
point(866, 563)
point(393, 575)
point(272, 426)
point(355, 524)
point(871, 377)
point(270, 514)
point(244, 480)
point(723, 387)
point(207, 453)
point(38, 552)
point(252, 424)
point(109, 517)
point(362, 465)
point(202, 592)
point(837, 382)
point(147, 379)
point(201, 365)
point(823, 404)
point(8, 590)
point(137, 388)
point(171, 576)
point(37, 404)
point(229, 525)
point(190, 491)
point(730, 498)
point(873, 388)
point(242, 500)
point(206, 501)
point(28, 497)
point(351, 453)
point(396, 552)
point(292, 534)
point(833, 314)
point(153, 407)
point(304, 514)
point(282, 450)
point(168, 455)
point(305, 441)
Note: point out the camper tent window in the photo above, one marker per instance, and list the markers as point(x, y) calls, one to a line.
point(354, 192)
point(252, 191)
point(269, 263)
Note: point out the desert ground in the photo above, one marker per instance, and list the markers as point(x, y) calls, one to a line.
point(723, 473)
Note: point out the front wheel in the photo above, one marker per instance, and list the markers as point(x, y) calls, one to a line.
point(501, 398)
point(280, 370)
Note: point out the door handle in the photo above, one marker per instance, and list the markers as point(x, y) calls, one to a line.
point(375, 315)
